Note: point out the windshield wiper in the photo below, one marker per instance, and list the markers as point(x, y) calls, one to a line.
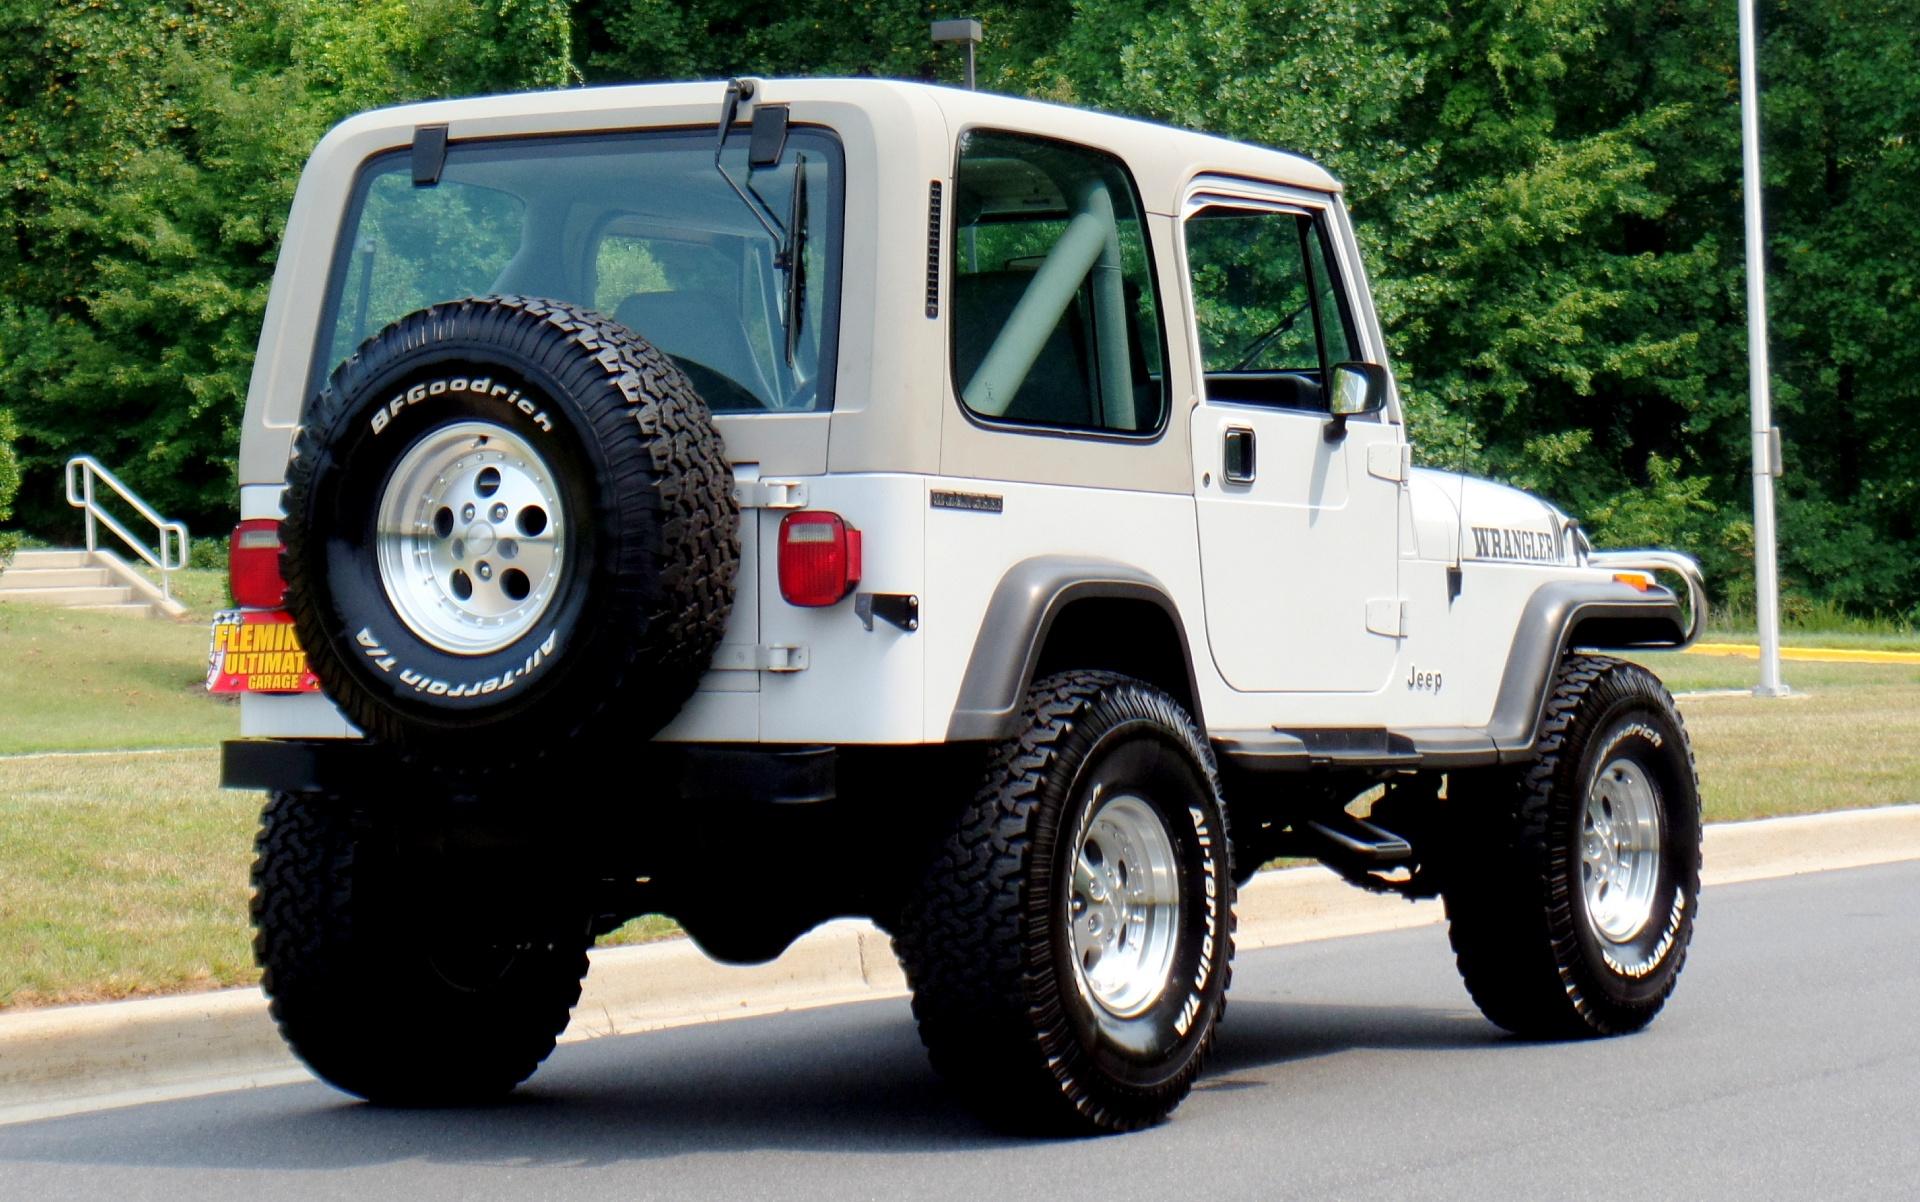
point(1260, 344)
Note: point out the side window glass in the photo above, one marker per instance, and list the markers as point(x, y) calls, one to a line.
point(1336, 330)
point(1267, 306)
point(1054, 318)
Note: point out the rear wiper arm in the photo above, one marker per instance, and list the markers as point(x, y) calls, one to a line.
point(738, 90)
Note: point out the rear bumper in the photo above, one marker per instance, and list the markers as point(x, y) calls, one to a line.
point(364, 771)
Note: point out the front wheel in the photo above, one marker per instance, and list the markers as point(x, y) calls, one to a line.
point(1574, 884)
point(1069, 948)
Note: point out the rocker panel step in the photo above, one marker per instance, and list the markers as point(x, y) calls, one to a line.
point(1356, 838)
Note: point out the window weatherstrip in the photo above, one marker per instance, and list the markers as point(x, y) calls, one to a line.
point(1214, 191)
point(1309, 233)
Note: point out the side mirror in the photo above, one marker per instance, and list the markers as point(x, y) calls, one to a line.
point(1357, 388)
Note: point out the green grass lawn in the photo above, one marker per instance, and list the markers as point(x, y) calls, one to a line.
point(1851, 739)
point(125, 874)
point(120, 875)
point(76, 681)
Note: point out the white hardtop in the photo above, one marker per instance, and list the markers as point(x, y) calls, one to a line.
point(896, 136)
point(1164, 157)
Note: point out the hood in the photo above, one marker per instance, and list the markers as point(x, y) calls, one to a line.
point(1459, 518)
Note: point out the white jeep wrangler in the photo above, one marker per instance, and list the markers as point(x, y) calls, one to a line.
point(768, 501)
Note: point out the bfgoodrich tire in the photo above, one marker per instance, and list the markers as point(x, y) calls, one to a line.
point(1069, 949)
point(510, 522)
point(396, 980)
point(1574, 883)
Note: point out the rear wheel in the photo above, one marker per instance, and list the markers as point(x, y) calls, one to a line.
point(1575, 882)
point(355, 934)
point(1069, 948)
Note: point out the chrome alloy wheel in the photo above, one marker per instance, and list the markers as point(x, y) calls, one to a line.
point(1123, 910)
point(470, 538)
point(1620, 850)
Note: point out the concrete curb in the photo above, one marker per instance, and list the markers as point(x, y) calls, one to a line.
point(69, 1059)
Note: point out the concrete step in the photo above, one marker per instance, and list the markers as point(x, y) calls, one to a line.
point(68, 596)
point(33, 560)
point(128, 609)
point(74, 579)
point(17, 577)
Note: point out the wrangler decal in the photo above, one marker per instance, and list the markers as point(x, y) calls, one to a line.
point(1500, 542)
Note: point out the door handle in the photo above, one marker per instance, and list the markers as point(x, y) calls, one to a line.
point(1237, 461)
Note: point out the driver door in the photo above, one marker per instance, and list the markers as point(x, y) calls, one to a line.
point(1298, 510)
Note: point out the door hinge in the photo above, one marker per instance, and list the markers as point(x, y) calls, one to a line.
point(744, 657)
point(1390, 460)
point(770, 494)
point(1387, 616)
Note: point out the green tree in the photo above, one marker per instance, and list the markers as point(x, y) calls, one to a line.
point(9, 486)
point(1547, 190)
point(149, 153)
point(1548, 196)
point(1842, 150)
point(640, 41)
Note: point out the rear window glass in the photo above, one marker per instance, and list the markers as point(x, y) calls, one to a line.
point(638, 226)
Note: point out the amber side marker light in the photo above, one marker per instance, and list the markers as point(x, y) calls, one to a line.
point(819, 558)
point(1636, 580)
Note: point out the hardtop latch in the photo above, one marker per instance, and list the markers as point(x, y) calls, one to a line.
point(770, 494)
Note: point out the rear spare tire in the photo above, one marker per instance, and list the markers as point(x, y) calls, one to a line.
point(509, 521)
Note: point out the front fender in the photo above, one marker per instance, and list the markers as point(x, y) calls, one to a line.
point(1599, 614)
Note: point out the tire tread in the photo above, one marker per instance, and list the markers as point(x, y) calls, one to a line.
point(667, 476)
point(1510, 922)
point(968, 939)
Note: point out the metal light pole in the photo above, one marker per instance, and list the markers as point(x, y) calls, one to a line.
point(1766, 436)
point(967, 31)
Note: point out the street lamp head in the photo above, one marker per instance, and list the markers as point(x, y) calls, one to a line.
point(966, 30)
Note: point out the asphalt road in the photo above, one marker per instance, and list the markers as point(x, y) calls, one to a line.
point(1787, 1065)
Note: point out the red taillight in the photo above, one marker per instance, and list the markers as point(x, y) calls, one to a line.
point(819, 557)
point(253, 564)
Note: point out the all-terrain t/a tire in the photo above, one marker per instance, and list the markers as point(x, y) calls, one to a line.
point(383, 982)
point(1574, 883)
point(509, 521)
point(1070, 947)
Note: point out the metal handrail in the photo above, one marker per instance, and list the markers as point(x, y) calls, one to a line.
point(1685, 566)
point(82, 470)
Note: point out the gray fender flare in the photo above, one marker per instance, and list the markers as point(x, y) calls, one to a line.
point(1608, 616)
point(1018, 619)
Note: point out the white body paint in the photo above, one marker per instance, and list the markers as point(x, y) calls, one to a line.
point(1320, 595)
